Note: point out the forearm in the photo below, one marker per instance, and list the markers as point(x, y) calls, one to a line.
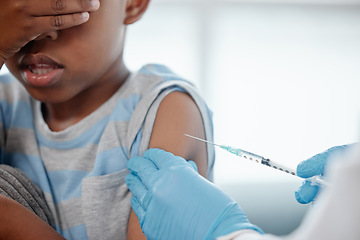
point(17, 222)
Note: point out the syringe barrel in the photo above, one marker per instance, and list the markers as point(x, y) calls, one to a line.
point(252, 156)
point(316, 180)
point(280, 167)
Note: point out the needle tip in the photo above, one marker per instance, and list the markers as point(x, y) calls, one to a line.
point(200, 139)
point(192, 137)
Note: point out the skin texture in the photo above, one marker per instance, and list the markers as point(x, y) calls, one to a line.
point(92, 69)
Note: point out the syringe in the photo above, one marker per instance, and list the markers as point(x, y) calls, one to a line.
point(315, 180)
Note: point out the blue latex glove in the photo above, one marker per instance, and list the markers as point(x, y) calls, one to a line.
point(172, 201)
point(313, 166)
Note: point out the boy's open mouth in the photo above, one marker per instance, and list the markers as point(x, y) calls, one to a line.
point(40, 71)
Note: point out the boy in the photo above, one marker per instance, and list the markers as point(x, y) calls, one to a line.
point(83, 114)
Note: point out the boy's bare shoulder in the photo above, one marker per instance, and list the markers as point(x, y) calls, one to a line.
point(177, 115)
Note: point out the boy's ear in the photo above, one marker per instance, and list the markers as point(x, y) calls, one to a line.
point(134, 10)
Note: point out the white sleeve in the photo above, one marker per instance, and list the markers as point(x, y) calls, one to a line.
point(248, 235)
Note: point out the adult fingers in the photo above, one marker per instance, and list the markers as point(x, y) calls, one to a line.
point(162, 158)
point(136, 187)
point(58, 22)
point(141, 165)
point(57, 7)
point(306, 193)
point(138, 209)
point(17, 35)
point(312, 166)
point(316, 164)
point(144, 169)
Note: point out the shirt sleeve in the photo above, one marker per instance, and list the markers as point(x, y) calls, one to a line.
point(247, 234)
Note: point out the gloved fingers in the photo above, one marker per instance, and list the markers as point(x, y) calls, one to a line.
point(161, 158)
point(306, 192)
point(136, 187)
point(141, 166)
point(316, 164)
point(312, 166)
point(158, 156)
point(145, 171)
point(138, 209)
point(193, 164)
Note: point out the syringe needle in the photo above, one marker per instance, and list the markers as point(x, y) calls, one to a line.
point(203, 140)
point(259, 159)
point(235, 151)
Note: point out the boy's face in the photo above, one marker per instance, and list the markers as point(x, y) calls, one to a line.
point(73, 62)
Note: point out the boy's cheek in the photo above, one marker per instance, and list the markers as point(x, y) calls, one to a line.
point(12, 67)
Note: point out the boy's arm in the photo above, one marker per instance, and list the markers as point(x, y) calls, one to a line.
point(17, 222)
point(178, 114)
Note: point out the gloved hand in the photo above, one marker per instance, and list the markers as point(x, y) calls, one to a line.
point(172, 201)
point(313, 166)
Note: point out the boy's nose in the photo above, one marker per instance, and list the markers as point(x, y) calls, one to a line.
point(53, 35)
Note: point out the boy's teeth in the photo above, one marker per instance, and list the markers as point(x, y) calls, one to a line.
point(41, 70)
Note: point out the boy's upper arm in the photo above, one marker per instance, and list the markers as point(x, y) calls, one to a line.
point(178, 114)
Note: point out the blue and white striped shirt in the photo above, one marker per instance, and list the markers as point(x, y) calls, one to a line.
point(82, 169)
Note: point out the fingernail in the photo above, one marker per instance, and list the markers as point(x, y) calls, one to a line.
point(84, 16)
point(95, 4)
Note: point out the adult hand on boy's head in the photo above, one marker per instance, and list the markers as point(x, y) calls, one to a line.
point(22, 20)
